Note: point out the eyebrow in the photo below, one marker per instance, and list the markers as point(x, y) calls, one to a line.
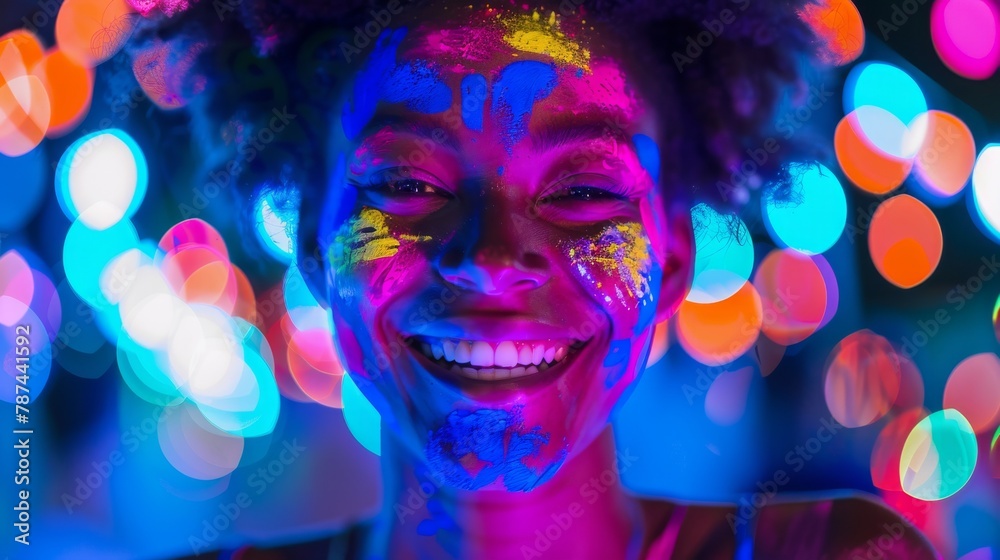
point(428, 127)
point(553, 138)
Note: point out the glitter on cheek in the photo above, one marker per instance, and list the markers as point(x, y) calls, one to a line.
point(620, 254)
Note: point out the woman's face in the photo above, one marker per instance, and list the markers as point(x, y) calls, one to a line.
point(498, 252)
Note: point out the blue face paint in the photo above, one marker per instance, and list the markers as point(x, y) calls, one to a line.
point(418, 87)
point(647, 308)
point(649, 155)
point(520, 85)
point(617, 360)
point(473, 99)
point(498, 443)
point(500, 171)
point(381, 79)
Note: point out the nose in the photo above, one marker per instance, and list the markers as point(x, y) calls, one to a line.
point(493, 258)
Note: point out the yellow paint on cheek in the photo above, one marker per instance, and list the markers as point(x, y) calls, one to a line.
point(529, 34)
point(365, 238)
point(635, 256)
point(620, 250)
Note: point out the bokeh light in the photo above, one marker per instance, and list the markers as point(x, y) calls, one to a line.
point(876, 91)
point(887, 87)
point(911, 385)
point(793, 296)
point(26, 112)
point(905, 241)
point(92, 31)
point(966, 35)
point(723, 258)
point(86, 252)
point(986, 188)
point(838, 24)
point(888, 448)
point(196, 448)
point(24, 103)
point(70, 86)
point(832, 289)
point(361, 417)
point(313, 363)
point(192, 232)
point(812, 216)
point(938, 457)
point(945, 158)
point(102, 178)
point(726, 399)
point(862, 379)
point(868, 167)
point(718, 333)
point(303, 309)
point(973, 388)
point(17, 287)
point(995, 454)
point(199, 274)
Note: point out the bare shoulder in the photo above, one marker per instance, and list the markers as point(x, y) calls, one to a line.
point(852, 527)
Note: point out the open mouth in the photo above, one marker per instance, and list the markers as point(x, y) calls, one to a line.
point(494, 361)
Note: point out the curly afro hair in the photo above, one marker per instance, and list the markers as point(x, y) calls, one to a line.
point(724, 68)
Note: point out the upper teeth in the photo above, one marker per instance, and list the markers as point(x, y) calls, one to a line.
point(505, 354)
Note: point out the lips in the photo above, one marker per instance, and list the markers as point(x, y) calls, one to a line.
point(494, 360)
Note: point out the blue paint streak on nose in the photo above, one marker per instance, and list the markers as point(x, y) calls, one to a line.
point(520, 85)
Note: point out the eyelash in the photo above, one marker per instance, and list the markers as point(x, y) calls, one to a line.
point(392, 182)
point(584, 193)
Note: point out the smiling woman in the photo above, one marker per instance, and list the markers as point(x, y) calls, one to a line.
point(532, 173)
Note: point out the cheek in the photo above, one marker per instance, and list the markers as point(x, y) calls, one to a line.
point(369, 261)
point(618, 268)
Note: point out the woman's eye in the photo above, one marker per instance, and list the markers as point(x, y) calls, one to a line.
point(410, 186)
point(584, 193)
point(591, 193)
point(394, 183)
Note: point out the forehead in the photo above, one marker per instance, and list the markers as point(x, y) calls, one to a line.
point(521, 69)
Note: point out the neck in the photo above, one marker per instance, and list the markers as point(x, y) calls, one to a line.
point(581, 511)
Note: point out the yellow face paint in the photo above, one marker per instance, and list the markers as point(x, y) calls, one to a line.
point(365, 238)
point(621, 255)
point(530, 34)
